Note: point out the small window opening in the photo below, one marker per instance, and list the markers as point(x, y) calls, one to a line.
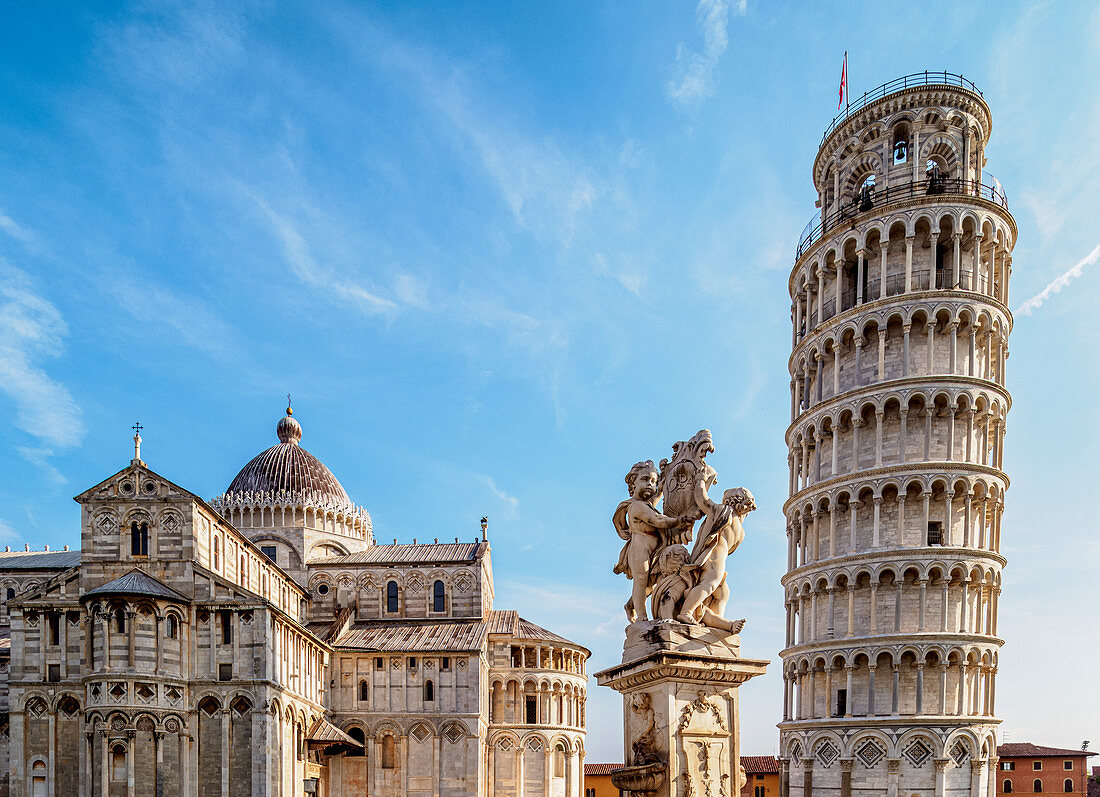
point(1037, 765)
point(10, 593)
point(935, 532)
point(445, 664)
point(1037, 786)
point(120, 620)
point(55, 628)
point(391, 596)
point(225, 672)
point(429, 691)
point(53, 673)
point(270, 551)
point(1067, 786)
point(226, 619)
point(171, 627)
point(358, 735)
point(412, 662)
point(388, 753)
point(1067, 765)
point(364, 691)
point(439, 597)
point(841, 702)
point(378, 663)
point(139, 539)
point(217, 557)
point(1007, 787)
point(531, 710)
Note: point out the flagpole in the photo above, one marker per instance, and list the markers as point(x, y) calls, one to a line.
point(845, 82)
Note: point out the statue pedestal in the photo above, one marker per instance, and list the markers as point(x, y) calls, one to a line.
point(684, 684)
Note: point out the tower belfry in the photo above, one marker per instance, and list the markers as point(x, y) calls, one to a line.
point(898, 404)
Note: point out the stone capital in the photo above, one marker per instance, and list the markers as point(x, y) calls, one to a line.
point(846, 764)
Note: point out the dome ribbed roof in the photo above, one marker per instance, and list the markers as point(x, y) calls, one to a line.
point(289, 468)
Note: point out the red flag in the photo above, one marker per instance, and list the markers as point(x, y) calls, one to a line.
point(843, 82)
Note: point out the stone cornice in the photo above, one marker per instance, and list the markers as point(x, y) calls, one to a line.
point(671, 666)
point(878, 389)
point(876, 213)
point(922, 468)
point(891, 302)
point(897, 641)
point(935, 553)
point(890, 720)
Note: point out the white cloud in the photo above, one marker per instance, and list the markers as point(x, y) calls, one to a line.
point(31, 329)
point(696, 70)
point(40, 458)
point(16, 231)
point(309, 271)
point(7, 532)
point(1056, 285)
point(510, 500)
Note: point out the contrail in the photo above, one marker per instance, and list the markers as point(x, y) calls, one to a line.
point(1060, 282)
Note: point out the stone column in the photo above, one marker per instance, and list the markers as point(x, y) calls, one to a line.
point(808, 778)
point(846, 777)
point(893, 775)
point(909, 263)
point(941, 776)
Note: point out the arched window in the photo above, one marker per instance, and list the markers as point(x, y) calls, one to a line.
point(1006, 787)
point(10, 593)
point(358, 735)
point(439, 597)
point(139, 539)
point(559, 761)
point(429, 691)
point(244, 569)
point(171, 626)
point(118, 762)
point(364, 691)
point(391, 596)
point(1067, 785)
point(120, 620)
point(216, 552)
point(1036, 785)
point(389, 754)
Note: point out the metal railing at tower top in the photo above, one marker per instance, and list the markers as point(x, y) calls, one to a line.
point(900, 84)
point(870, 199)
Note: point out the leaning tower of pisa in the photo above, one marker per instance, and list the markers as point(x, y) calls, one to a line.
point(898, 407)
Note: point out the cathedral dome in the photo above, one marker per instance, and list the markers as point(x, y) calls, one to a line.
point(288, 469)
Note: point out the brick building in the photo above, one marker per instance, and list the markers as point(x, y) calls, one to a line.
point(1027, 768)
point(761, 776)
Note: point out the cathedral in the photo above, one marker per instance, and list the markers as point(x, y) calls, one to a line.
point(263, 644)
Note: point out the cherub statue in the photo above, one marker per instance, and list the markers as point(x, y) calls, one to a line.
point(638, 521)
point(673, 576)
point(644, 749)
point(719, 535)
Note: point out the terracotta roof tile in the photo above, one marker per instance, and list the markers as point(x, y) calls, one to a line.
point(600, 769)
point(760, 764)
point(1029, 750)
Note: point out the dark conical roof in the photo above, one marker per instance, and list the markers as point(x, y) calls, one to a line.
point(289, 468)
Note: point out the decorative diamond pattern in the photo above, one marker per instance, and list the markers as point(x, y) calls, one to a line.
point(118, 692)
point(453, 734)
point(826, 753)
point(870, 753)
point(420, 733)
point(960, 752)
point(505, 743)
point(918, 753)
point(534, 745)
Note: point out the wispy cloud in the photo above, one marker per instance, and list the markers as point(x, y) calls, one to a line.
point(510, 500)
point(40, 458)
point(15, 230)
point(1056, 285)
point(308, 270)
point(695, 80)
point(32, 329)
point(7, 532)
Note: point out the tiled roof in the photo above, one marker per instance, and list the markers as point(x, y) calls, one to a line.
point(760, 764)
point(503, 621)
point(600, 769)
point(324, 732)
point(412, 635)
point(137, 582)
point(1029, 750)
point(528, 630)
point(38, 560)
point(401, 554)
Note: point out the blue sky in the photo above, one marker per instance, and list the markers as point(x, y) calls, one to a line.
point(498, 253)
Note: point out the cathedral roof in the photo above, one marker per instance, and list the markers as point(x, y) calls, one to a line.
point(288, 469)
point(39, 560)
point(1029, 750)
point(411, 635)
point(137, 582)
point(423, 553)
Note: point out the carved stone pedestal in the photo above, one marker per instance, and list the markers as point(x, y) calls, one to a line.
point(680, 709)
